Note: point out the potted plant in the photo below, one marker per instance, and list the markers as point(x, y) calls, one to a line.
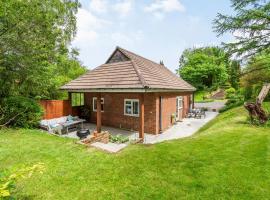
point(173, 118)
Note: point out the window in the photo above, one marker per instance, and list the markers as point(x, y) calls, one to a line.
point(95, 104)
point(77, 99)
point(131, 107)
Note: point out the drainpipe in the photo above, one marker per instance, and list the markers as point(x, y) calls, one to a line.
point(160, 114)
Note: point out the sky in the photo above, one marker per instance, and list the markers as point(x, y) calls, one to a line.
point(155, 29)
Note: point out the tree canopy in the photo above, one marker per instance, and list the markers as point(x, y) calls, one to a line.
point(35, 57)
point(258, 73)
point(204, 67)
point(250, 25)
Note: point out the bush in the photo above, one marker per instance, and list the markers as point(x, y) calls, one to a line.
point(230, 92)
point(118, 139)
point(230, 106)
point(20, 112)
point(234, 101)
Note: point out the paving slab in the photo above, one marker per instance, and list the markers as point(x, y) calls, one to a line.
point(109, 147)
point(188, 127)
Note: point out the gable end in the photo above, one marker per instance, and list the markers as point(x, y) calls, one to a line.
point(117, 56)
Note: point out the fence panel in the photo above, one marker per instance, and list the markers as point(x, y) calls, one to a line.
point(56, 108)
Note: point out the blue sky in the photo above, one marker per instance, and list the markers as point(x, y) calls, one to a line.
point(155, 29)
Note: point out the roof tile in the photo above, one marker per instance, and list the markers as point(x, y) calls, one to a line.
point(136, 73)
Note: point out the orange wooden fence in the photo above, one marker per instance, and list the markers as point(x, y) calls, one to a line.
point(57, 108)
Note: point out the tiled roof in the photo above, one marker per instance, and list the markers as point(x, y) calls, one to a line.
point(135, 72)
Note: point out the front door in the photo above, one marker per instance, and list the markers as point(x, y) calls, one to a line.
point(179, 108)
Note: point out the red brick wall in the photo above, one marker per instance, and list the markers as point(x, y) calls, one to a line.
point(113, 114)
point(169, 108)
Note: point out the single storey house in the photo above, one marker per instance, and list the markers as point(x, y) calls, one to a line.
point(132, 92)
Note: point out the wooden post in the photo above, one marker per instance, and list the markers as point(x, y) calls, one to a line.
point(98, 113)
point(193, 98)
point(141, 130)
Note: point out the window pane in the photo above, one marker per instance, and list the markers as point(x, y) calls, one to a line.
point(76, 99)
point(82, 99)
point(73, 99)
point(128, 102)
point(95, 104)
point(135, 107)
point(128, 109)
point(102, 107)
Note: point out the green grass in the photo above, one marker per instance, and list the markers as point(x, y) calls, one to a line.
point(226, 159)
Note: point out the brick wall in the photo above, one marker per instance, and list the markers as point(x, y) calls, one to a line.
point(113, 114)
point(169, 108)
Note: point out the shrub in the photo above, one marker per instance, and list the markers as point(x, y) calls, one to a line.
point(234, 101)
point(230, 106)
point(20, 111)
point(247, 92)
point(118, 139)
point(229, 92)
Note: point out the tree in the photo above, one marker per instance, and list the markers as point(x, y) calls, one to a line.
point(255, 74)
point(251, 26)
point(204, 67)
point(34, 45)
point(234, 72)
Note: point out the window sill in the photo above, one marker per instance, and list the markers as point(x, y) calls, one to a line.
point(96, 111)
point(130, 115)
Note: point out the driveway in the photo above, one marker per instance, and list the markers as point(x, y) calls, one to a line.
point(212, 106)
point(188, 127)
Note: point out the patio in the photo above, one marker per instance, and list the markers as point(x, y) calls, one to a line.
point(114, 131)
point(183, 129)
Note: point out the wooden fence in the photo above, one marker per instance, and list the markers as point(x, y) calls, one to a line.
point(57, 108)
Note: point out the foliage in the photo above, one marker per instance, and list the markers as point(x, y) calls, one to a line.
point(204, 67)
point(7, 184)
point(118, 138)
point(255, 74)
point(215, 163)
point(34, 54)
point(202, 96)
point(231, 105)
point(250, 25)
point(234, 100)
point(20, 111)
point(230, 92)
point(234, 72)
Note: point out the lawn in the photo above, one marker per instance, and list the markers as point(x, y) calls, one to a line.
point(226, 159)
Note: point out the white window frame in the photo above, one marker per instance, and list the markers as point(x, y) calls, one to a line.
point(95, 99)
point(132, 101)
point(180, 99)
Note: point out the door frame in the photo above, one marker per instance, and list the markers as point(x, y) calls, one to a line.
point(179, 108)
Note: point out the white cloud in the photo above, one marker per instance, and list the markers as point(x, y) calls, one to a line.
point(99, 6)
point(123, 7)
point(159, 7)
point(87, 26)
point(127, 38)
